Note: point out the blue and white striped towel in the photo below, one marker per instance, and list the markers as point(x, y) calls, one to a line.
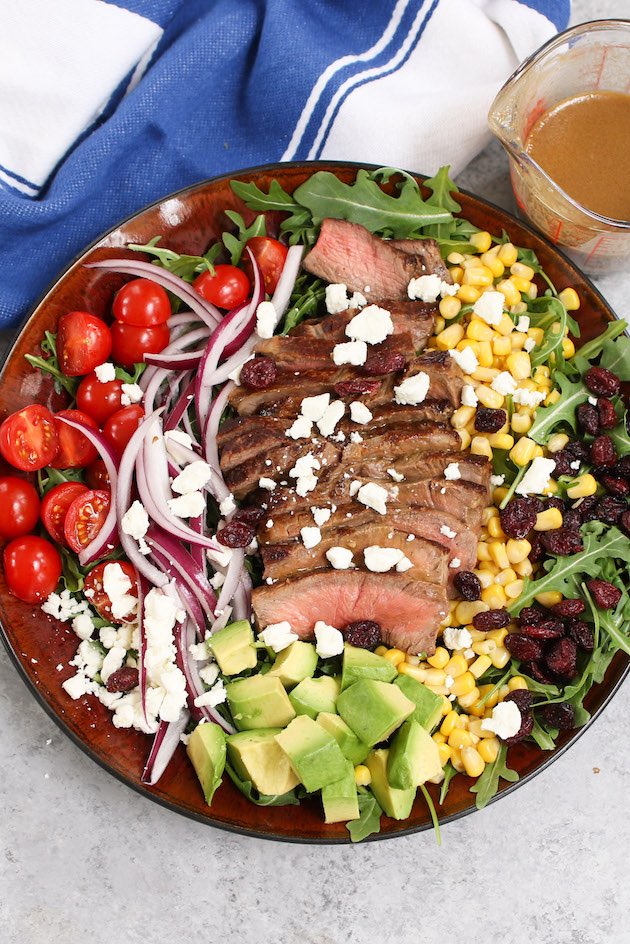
point(106, 106)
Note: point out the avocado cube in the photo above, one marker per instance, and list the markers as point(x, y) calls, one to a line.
point(395, 803)
point(259, 702)
point(428, 710)
point(351, 746)
point(233, 648)
point(313, 753)
point(340, 799)
point(374, 709)
point(362, 664)
point(314, 695)
point(257, 756)
point(413, 757)
point(295, 663)
point(206, 750)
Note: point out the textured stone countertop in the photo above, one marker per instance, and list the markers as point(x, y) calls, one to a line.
point(83, 857)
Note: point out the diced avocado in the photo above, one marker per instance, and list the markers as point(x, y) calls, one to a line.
point(313, 753)
point(428, 710)
point(257, 756)
point(206, 750)
point(314, 695)
point(374, 709)
point(413, 757)
point(351, 746)
point(259, 702)
point(340, 799)
point(233, 648)
point(396, 803)
point(295, 663)
point(362, 664)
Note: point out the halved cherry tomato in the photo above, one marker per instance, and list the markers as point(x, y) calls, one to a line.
point(121, 426)
point(99, 400)
point(99, 599)
point(55, 504)
point(75, 450)
point(227, 288)
point(131, 342)
point(32, 568)
point(83, 342)
point(28, 438)
point(141, 302)
point(85, 518)
point(19, 506)
point(270, 255)
point(97, 476)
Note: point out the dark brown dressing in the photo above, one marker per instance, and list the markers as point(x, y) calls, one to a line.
point(583, 144)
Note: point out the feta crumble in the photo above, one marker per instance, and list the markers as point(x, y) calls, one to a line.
point(496, 480)
point(300, 429)
point(529, 345)
point(192, 478)
point(359, 413)
point(372, 325)
point(333, 413)
point(381, 559)
point(373, 496)
point(135, 521)
point(505, 721)
point(528, 397)
point(536, 479)
point(190, 505)
point(83, 625)
point(321, 515)
point(131, 393)
point(278, 636)
point(412, 390)
point(311, 537)
point(456, 638)
point(466, 360)
point(116, 585)
point(448, 532)
point(350, 352)
point(469, 397)
point(336, 298)
point(178, 436)
point(523, 324)
point(489, 307)
point(396, 476)
point(313, 408)
point(428, 288)
point(105, 372)
point(452, 472)
point(267, 484)
point(329, 640)
point(504, 384)
point(339, 557)
point(215, 696)
point(227, 505)
point(356, 438)
point(266, 320)
point(456, 562)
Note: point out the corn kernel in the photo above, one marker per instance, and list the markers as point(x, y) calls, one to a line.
point(523, 452)
point(570, 299)
point(446, 706)
point(380, 650)
point(500, 657)
point(582, 487)
point(508, 254)
point(548, 520)
point(483, 553)
point(568, 348)
point(456, 760)
point(501, 441)
point(479, 276)
point(478, 330)
point(494, 596)
point(494, 528)
point(434, 676)
point(509, 291)
point(498, 554)
point(489, 397)
point(518, 341)
point(520, 284)
point(514, 589)
point(456, 665)
point(479, 666)
point(557, 442)
point(521, 270)
point(485, 578)
point(488, 749)
point(519, 365)
point(552, 485)
point(449, 724)
point(449, 307)
point(525, 568)
point(456, 273)
point(395, 656)
point(468, 294)
point(516, 683)
point(503, 691)
point(463, 685)
point(439, 658)
point(494, 264)
point(459, 738)
point(517, 551)
point(472, 761)
point(415, 671)
point(488, 514)
point(549, 599)
point(501, 346)
point(485, 374)
point(521, 423)
point(448, 339)
point(455, 258)
point(481, 447)
point(482, 241)
point(465, 438)
point(439, 324)
point(552, 398)
point(471, 698)
point(362, 776)
point(467, 609)
point(499, 493)
point(484, 354)
point(491, 700)
point(445, 754)
point(497, 635)
point(462, 416)
point(504, 577)
point(439, 738)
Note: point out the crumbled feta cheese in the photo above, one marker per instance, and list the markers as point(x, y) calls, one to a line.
point(466, 359)
point(456, 638)
point(227, 505)
point(428, 288)
point(209, 673)
point(304, 465)
point(336, 298)
point(452, 472)
point(108, 636)
point(529, 345)
point(313, 408)
point(489, 307)
point(523, 324)
point(217, 580)
point(403, 565)
point(447, 532)
point(528, 397)
point(448, 681)
point(412, 390)
point(113, 661)
point(220, 556)
point(105, 372)
point(266, 320)
point(329, 641)
point(504, 384)
point(456, 562)
point(131, 393)
point(178, 436)
point(339, 557)
point(300, 429)
point(372, 325)
point(396, 476)
point(278, 636)
point(575, 465)
point(311, 537)
point(116, 585)
point(381, 559)
point(76, 686)
point(321, 515)
point(192, 478)
point(374, 496)
point(355, 485)
point(135, 521)
point(496, 480)
point(350, 352)
point(358, 300)
point(356, 438)
point(267, 484)
point(190, 505)
point(83, 625)
point(536, 479)
point(469, 397)
point(88, 658)
point(505, 721)
point(199, 651)
point(359, 413)
point(215, 696)
point(334, 412)
point(305, 484)
point(592, 401)
point(62, 606)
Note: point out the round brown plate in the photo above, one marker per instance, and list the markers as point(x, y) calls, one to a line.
point(42, 648)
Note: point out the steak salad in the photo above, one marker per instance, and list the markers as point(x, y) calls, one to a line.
point(338, 505)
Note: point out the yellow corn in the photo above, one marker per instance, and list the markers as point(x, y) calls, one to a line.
point(521, 423)
point(494, 528)
point(523, 452)
point(548, 520)
point(508, 254)
point(456, 665)
point(489, 397)
point(479, 666)
point(480, 446)
point(468, 294)
point(570, 299)
point(465, 438)
point(499, 494)
point(516, 683)
point(522, 271)
point(478, 276)
point(448, 339)
point(500, 657)
point(503, 691)
point(439, 738)
point(463, 685)
point(455, 258)
point(456, 273)
point(525, 568)
point(504, 577)
point(485, 374)
point(362, 776)
point(415, 671)
point(456, 760)
point(509, 291)
point(557, 442)
point(484, 647)
point(582, 487)
point(492, 700)
point(494, 596)
point(520, 284)
point(478, 330)
point(395, 656)
point(434, 676)
point(517, 551)
point(483, 553)
point(568, 348)
point(486, 578)
point(446, 706)
point(450, 723)
point(552, 398)
point(439, 658)
point(514, 589)
point(380, 650)
point(498, 635)
point(498, 554)
point(549, 599)
point(552, 486)
point(473, 762)
point(439, 324)
point(467, 609)
point(462, 416)
point(501, 346)
point(459, 738)
point(488, 749)
point(501, 441)
point(482, 241)
point(519, 365)
point(532, 291)
point(485, 355)
point(445, 754)
point(488, 513)
point(466, 701)
point(449, 307)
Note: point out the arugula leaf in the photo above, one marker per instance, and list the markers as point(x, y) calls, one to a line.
point(543, 738)
point(235, 244)
point(72, 575)
point(616, 357)
point(260, 799)
point(612, 623)
point(254, 198)
point(185, 266)
point(487, 785)
point(442, 188)
point(592, 349)
point(572, 394)
point(370, 820)
point(307, 296)
point(449, 773)
point(49, 364)
point(551, 315)
point(621, 437)
point(432, 813)
point(48, 477)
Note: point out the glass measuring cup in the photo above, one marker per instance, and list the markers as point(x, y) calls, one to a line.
point(590, 57)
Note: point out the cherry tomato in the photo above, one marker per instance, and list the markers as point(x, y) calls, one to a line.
point(121, 426)
point(141, 302)
point(99, 600)
point(83, 342)
point(131, 342)
point(32, 568)
point(19, 506)
point(270, 255)
point(227, 288)
point(85, 518)
point(55, 504)
point(28, 438)
point(97, 476)
point(99, 400)
point(75, 450)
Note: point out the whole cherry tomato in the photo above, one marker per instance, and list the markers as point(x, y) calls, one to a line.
point(99, 599)
point(55, 504)
point(121, 426)
point(97, 476)
point(28, 438)
point(227, 287)
point(99, 400)
point(131, 342)
point(75, 450)
point(32, 568)
point(85, 518)
point(270, 254)
point(141, 302)
point(83, 342)
point(19, 507)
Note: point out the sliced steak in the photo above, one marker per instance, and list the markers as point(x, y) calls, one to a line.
point(244, 478)
point(404, 439)
point(446, 378)
point(408, 611)
point(413, 318)
point(284, 398)
point(244, 437)
point(305, 353)
point(429, 251)
point(417, 466)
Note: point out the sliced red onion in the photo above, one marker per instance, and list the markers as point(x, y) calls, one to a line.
point(232, 325)
point(181, 565)
point(183, 455)
point(242, 600)
point(233, 576)
point(194, 684)
point(258, 295)
point(181, 406)
point(221, 620)
point(183, 319)
point(213, 421)
point(185, 596)
point(164, 746)
point(196, 552)
point(143, 588)
point(175, 356)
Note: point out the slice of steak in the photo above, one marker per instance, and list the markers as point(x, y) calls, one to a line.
point(244, 437)
point(404, 439)
point(417, 466)
point(408, 611)
point(446, 378)
point(413, 318)
point(309, 353)
point(244, 478)
point(392, 414)
point(427, 250)
point(284, 398)
point(429, 561)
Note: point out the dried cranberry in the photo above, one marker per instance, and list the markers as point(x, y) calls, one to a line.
point(384, 362)
point(605, 594)
point(614, 485)
point(588, 418)
point(519, 517)
point(602, 382)
point(562, 541)
point(364, 634)
point(563, 460)
point(586, 509)
point(522, 698)
point(530, 615)
point(569, 608)
point(526, 728)
point(467, 585)
point(236, 534)
point(548, 629)
point(248, 515)
point(123, 680)
point(624, 521)
point(356, 387)
point(581, 633)
point(555, 503)
point(259, 373)
point(571, 520)
point(538, 672)
point(603, 451)
point(609, 509)
point(561, 658)
point(560, 716)
point(537, 552)
point(488, 420)
point(523, 648)
point(577, 449)
point(623, 468)
point(607, 415)
point(491, 619)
